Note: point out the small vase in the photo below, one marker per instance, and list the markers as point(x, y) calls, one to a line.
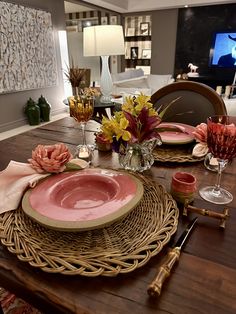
point(32, 112)
point(103, 147)
point(102, 143)
point(45, 109)
point(138, 156)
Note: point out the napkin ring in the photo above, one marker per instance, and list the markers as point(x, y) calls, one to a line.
point(206, 212)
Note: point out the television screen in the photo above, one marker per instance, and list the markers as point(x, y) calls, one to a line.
point(223, 50)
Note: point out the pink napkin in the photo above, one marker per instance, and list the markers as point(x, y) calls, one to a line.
point(13, 182)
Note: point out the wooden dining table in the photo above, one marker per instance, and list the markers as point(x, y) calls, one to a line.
point(203, 281)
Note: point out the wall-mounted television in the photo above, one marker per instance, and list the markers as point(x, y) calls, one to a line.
point(223, 50)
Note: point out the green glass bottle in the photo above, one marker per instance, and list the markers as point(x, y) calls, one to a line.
point(32, 112)
point(45, 109)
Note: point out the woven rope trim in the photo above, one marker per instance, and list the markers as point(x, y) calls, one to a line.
point(175, 154)
point(120, 248)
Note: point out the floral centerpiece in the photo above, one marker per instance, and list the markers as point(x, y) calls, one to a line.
point(135, 123)
point(133, 132)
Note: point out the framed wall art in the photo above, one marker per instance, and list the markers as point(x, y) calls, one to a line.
point(104, 20)
point(113, 20)
point(134, 53)
point(27, 50)
point(144, 28)
point(146, 54)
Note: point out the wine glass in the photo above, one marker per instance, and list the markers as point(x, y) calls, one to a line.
point(211, 163)
point(221, 141)
point(81, 109)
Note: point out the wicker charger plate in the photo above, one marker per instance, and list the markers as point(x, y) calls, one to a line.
point(180, 153)
point(120, 248)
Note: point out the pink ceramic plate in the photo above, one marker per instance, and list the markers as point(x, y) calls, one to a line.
point(82, 200)
point(175, 137)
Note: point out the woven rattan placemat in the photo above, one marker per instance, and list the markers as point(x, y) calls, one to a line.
point(120, 248)
point(175, 153)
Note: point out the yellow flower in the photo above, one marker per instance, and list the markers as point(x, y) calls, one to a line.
point(136, 121)
point(129, 105)
point(116, 126)
point(143, 101)
point(134, 106)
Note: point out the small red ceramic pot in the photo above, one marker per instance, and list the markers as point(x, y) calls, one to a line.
point(102, 143)
point(104, 147)
point(183, 187)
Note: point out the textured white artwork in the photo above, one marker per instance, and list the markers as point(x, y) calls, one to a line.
point(27, 51)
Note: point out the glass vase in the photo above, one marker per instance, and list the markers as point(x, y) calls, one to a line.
point(138, 156)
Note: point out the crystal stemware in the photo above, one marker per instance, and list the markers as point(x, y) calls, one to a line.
point(81, 109)
point(221, 141)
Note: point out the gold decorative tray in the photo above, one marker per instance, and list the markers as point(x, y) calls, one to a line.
point(120, 248)
point(178, 153)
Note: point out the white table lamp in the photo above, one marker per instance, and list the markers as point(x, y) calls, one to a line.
point(104, 41)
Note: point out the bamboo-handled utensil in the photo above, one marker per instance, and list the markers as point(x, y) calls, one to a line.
point(154, 289)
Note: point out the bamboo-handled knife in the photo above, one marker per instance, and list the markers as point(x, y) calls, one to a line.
point(164, 270)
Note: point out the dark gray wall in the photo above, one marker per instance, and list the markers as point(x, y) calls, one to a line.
point(196, 27)
point(11, 105)
point(164, 28)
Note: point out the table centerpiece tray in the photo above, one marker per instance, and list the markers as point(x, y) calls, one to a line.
point(121, 247)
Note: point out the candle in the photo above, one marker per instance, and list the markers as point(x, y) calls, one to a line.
point(83, 153)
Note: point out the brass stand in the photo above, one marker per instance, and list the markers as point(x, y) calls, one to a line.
point(206, 212)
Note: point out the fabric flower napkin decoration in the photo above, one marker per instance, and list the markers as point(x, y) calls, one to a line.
point(46, 160)
point(200, 135)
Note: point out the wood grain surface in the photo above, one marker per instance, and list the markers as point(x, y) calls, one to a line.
point(204, 280)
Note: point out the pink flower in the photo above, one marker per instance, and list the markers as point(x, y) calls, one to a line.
point(200, 133)
point(50, 158)
point(143, 127)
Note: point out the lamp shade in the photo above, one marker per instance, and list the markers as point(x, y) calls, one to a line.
point(103, 40)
